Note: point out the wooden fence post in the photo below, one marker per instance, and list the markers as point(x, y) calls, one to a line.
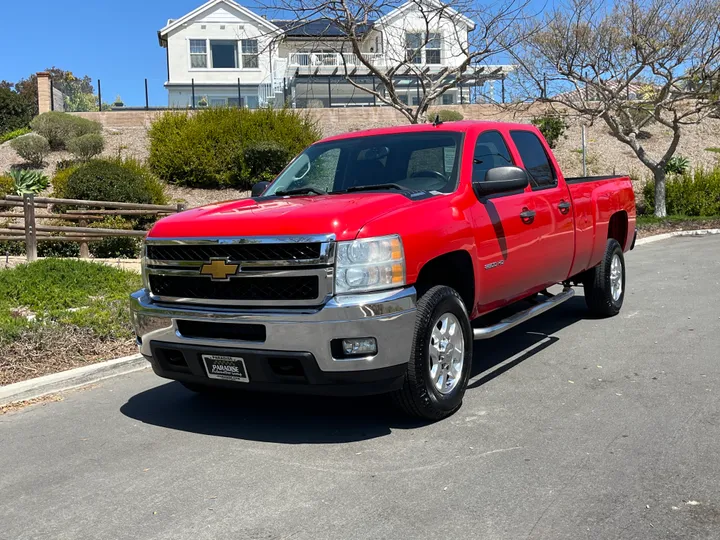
point(84, 250)
point(30, 236)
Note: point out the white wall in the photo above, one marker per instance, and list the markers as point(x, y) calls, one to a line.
point(454, 33)
point(237, 26)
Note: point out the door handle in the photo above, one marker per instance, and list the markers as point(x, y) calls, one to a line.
point(564, 207)
point(527, 216)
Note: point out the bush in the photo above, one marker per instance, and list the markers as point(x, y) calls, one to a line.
point(60, 180)
point(58, 128)
point(694, 193)
point(264, 161)
point(446, 115)
point(207, 149)
point(7, 186)
point(9, 136)
point(27, 181)
point(551, 126)
point(119, 246)
point(32, 148)
point(87, 146)
point(677, 165)
point(112, 180)
point(15, 111)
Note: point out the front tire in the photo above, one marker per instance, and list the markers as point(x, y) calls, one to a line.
point(441, 357)
point(605, 284)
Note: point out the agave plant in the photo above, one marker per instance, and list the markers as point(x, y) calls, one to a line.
point(27, 181)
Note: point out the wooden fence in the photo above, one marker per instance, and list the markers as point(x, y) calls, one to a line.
point(88, 211)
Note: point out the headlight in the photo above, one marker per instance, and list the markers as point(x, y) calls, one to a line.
point(370, 264)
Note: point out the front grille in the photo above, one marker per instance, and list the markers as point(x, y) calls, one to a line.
point(235, 252)
point(242, 289)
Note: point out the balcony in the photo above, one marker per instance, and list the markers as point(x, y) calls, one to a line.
point(332, 60)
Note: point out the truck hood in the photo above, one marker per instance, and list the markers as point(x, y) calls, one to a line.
point(343, 215)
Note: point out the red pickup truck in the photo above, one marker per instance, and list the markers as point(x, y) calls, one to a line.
point(363, 267)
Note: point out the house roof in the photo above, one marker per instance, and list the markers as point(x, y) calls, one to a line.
point(434, 4)
point(175, 23)
point(318, 28)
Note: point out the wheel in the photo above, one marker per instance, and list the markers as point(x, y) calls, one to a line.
point(441, 357)
point(605, 284)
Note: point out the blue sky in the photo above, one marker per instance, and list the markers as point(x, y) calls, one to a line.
point(115, 42)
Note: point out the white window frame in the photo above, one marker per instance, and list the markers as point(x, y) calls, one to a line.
point(242, 54)
point(208, 55)
point(192, 54)
point(423, 50)
point(427, 48)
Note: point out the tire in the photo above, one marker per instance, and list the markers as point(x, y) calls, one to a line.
point(420, 396)
point(601, 294)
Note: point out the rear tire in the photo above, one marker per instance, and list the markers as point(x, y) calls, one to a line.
point(441, 357)
point(605, 284)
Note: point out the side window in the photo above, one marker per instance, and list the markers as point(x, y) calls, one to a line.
point(534, 158)
point(490, 152)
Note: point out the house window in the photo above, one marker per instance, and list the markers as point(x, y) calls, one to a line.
point(448, 99)
point(413, 47)
point(432, 49)
point(250, 54)
point(224, 54)
point(198, 53)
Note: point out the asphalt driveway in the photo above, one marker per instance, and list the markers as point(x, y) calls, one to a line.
point(572, 428)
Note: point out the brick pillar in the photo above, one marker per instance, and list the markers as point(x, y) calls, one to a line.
point(43, 87)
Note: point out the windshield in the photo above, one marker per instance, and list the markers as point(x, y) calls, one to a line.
point(416, 161)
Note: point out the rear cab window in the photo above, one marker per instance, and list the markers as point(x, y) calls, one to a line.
point(535, 159)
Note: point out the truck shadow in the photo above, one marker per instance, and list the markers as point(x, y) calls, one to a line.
point(289, 419)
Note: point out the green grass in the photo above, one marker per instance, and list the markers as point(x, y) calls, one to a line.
point(644, 221)
point(66, 292)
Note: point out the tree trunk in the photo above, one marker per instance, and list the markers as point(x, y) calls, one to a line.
point(660, 206)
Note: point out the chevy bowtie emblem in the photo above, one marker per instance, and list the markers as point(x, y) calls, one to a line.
point(218, 269)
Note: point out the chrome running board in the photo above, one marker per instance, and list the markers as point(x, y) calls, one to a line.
point(512, 321)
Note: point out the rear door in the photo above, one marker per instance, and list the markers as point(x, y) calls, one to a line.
point(553, 220)
point(505, 240)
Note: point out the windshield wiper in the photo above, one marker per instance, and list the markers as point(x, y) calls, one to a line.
point(301, 191)
point(375, 186)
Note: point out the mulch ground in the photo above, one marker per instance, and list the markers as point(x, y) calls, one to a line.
point(652, 229)
point(54, 349)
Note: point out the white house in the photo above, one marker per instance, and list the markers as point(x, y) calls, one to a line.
point(224, 54)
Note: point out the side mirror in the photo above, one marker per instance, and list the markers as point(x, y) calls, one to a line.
point(502, 180)
point(259, 188)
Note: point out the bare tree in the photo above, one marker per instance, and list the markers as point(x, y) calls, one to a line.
point(437, 47)
point(629, 63)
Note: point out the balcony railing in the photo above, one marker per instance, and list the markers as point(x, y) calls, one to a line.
point(320, 59)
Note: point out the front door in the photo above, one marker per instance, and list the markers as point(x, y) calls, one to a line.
point(504, 230)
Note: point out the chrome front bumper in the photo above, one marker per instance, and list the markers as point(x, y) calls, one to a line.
point(388, 316)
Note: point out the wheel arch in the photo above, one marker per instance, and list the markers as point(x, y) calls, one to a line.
point(453, 269)
point(618, 228)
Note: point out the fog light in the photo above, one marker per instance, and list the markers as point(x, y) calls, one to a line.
point(359, 346)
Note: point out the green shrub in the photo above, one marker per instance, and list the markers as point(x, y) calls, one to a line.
point(58, 127)
point(264, 161)
point(677, 165)
point(552, 126)
point(87, 146)
point(15, 111)
point(206, 149)
point(60, 180)
point(58, 249)
point(694, 193)
point(113, 180)
point(12, 247)
point(27, 181)
point(7, 185)
point(446, 115)
point(32, 148)
point(9, 136)
point(119, 246)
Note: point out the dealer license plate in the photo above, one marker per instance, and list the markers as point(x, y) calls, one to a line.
point(228, 368)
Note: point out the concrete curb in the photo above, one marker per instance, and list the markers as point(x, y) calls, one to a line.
point(658, 237)
point(73, 378)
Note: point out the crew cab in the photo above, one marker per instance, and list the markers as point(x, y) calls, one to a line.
point(373, 262)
